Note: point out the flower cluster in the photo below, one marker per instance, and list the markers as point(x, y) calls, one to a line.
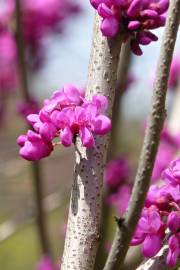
point(174, 76)
point(117, 174)
point(161, 217)
point(66, 115)
point(169, 145)
point(133, 17)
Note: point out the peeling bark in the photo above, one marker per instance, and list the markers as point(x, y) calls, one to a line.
point(83, 229)
point(127, 226)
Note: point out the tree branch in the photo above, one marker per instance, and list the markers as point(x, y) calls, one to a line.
point(38, 185)
point(156, 119)
point(83, 230)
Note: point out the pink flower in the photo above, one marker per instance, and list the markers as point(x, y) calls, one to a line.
point(172, 173)
point(174, 221)
point(116, 172)
point(33, 147)
point(83, 121)
point(164, 156)
point(66, 115)
point(174, 75)
point(26, 108)
point(167, 150)
point(135, 17)
point(120, 199)
point(6, 13)
point(174, 250)
point(161, 211)
point(41, 18)
point(149, 232)
point(8, 61)
point(158, 196)
point(46, 264)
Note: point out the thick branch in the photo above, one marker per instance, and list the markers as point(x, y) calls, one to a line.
point(122, 75)
point(83, 230)
point(125, 230)
point(38, 185)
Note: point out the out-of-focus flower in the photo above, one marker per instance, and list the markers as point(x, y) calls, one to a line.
point(41, 18)
point(117, 172)
point(174, 76)
point(169, 145)
point(134, 17)
point(46, 264)
point(28, 107)
point(120, 198)
point(8, 62)
point(6, 13)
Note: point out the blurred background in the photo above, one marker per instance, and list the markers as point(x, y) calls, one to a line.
point(57, 47)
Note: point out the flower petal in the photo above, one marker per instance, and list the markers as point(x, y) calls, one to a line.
point(86, 137)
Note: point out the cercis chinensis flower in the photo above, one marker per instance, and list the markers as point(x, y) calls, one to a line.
point(134, 18)
point(65, 116)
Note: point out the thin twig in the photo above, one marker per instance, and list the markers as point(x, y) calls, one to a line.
point(125, 231)
point(83, 230)
point(37, 177)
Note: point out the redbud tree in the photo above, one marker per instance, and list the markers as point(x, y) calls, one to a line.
point(70, 117)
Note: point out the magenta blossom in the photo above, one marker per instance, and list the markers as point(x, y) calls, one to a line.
point(160, 218)
point(8, 61)
point(149, 232)
point(6, 13)
point(41, 18)
point(164, 155)
point(67, 115)
point(26, 108)
point(172, 173)
point(116, 172)
point(169, 144)
point(46, 264)
point(174, 250)
point(134, 17)
point(120, 199)
point(33, 147)
point(174, 221)
point(174, 75)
